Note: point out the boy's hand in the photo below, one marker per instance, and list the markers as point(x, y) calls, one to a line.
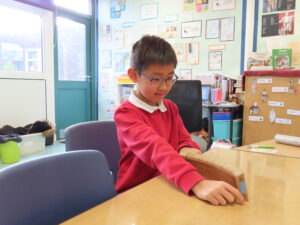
point(217, 192)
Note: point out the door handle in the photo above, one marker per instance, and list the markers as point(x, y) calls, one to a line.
point(88, 78)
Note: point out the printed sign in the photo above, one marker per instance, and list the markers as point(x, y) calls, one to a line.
point(264, 81)
point(293, 112)
point(256, 118)
point(276, 104)
point(283, 121)
point(280, 89)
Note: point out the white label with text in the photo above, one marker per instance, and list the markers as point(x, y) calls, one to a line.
point(293, 112)
point(283, 121)
point(264, 81)
point(279, 89)
point(276, 104)
point(256, 118)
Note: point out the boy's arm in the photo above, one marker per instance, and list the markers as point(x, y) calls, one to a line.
point(186, 150)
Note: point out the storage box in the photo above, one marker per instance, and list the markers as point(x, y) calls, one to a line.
point(32, 143)
point(222, 129)
point(221, 115)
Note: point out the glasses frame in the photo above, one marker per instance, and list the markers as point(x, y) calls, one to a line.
point(173, 80)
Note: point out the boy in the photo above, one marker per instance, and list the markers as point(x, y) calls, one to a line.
point(151, 133)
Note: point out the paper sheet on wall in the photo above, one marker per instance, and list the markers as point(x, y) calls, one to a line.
point(295, 46)
point(275, 43)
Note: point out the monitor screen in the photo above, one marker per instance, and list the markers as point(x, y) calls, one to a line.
point(205, 92)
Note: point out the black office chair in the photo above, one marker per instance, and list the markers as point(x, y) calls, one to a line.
point(187, 95)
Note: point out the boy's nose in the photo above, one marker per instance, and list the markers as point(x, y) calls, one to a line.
point(163, 85)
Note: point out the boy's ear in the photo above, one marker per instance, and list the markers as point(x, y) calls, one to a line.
point(133, 75)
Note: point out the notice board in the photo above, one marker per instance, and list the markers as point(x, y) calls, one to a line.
point(272, 105)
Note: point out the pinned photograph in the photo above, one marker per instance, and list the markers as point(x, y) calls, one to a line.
point(292, 88)
point(272, 116)
point(264, 96)
point(254, 109)
point(253, 86)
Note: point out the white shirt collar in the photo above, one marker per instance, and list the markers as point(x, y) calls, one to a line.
point(143, 105)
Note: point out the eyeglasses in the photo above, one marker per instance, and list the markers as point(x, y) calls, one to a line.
point(156, 82)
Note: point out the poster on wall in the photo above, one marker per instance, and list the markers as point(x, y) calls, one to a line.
point(110, 108)
point(215, 60)
point(185, 74)
point(227, 29)
point(117, 5)
point(118, 39)
point(201, 5)
point(212, 29)
point(121, 62)
point(286, 23)
point(219, 5)
point(191, 29)
point(269, 26)
point(149, 11)
point(169, 31)
point(188, 5)
point(295, 46)
point(278, 5)
point(192, 53)
point(104, 81)
point(105, 33)
point(180, 51)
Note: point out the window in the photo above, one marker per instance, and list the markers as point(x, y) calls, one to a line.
point(71, 38)
point(20, 40)
point(82, 6)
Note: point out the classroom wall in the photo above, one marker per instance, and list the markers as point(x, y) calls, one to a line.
point(130, 27)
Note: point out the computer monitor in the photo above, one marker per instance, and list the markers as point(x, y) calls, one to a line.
point(206, 93)
point(186, 94)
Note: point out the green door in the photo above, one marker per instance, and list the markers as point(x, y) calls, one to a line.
point(74, 80)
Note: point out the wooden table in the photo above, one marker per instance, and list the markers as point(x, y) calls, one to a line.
point(280, 149)
point(273, 185)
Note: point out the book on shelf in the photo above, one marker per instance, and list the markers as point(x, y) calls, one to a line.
point(282, 58)
point(259, 61)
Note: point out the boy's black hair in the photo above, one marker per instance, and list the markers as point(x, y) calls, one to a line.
point(151, 50)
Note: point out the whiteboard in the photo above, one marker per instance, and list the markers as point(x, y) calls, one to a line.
point(22, 101)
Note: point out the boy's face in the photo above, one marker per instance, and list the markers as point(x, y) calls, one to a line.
point(148, 92)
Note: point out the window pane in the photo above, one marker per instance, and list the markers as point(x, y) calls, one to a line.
point(81, 6)
point(71, 50)
point(20, 40)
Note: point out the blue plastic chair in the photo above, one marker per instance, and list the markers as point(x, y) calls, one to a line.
point(98, 135)
point(50, 190)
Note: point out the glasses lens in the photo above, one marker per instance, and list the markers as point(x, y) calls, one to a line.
point(174, 79)
point(155, 82)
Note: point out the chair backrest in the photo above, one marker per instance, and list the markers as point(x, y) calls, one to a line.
point(55, 188)
point(98, 135)
point(187, 95)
